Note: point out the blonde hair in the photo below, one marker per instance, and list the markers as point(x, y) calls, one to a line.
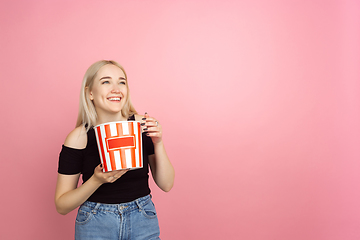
point(87, 114)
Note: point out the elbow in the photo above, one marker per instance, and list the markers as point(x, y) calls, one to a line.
point(61, 210)
point(167, 187)
point(62, 213)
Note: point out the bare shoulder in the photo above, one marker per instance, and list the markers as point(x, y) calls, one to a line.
point(77, 138)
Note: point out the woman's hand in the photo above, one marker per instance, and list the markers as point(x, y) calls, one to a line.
point(107, 177)
point(161, 168)
point(152, 128)
point(68, 196)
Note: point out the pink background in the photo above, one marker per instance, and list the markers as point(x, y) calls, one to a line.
point(259, 101)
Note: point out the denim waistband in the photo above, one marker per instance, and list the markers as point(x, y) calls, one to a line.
point(121, 207)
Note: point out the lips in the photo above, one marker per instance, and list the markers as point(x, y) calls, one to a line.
point(116, 99)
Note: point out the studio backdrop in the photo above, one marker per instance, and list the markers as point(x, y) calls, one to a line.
point(259, 103)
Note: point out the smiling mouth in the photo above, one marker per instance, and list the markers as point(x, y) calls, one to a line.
point(116, 99)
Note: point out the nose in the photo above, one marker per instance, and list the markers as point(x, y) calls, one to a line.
point(115, 89)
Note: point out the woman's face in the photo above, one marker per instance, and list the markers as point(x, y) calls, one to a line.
point(109, 90)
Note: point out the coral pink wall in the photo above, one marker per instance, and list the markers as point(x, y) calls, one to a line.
point(259, 101)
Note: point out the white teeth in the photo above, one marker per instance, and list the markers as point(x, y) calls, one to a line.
point(114, 99)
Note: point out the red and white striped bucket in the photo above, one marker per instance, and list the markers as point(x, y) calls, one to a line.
point(120, 145)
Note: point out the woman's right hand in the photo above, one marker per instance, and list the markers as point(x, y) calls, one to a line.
point(107, 177)
point(68, 196)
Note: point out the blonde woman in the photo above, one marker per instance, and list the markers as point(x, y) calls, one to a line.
point(116, 204)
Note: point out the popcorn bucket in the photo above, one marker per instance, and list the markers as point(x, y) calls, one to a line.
point(120, 145)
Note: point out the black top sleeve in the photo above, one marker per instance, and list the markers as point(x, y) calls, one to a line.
point(148, 144)
point(70, 160)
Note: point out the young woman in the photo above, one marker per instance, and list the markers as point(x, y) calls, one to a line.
point(116, 204)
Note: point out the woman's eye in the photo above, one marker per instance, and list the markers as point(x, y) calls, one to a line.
point(105, 82)
point(123, 82)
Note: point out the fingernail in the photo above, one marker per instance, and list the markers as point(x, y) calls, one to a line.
point(101, 165)
point(145, 129)
point(142, 124)
point(143, 119)
point(147, 134)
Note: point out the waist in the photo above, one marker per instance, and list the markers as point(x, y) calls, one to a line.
point(122, 190)
point(120, 207)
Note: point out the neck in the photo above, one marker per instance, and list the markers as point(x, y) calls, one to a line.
point(110, 118)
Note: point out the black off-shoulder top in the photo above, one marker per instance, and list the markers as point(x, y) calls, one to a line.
point(132, 185)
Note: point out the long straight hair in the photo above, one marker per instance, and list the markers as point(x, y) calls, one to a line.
point(87, 114)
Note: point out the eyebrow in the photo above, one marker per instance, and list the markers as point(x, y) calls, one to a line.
point(107, 77)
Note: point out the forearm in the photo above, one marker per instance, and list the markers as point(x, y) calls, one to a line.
point(74, 198)
point(162, 169)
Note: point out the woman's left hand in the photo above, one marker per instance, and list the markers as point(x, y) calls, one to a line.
point(161, 169)
point(152, 128)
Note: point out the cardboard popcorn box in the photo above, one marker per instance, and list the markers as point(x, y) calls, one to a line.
point(120, 145)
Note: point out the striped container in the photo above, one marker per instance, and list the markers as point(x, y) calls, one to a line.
point(120, 145)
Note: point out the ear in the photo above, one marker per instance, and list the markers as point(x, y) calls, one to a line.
point(91, 96)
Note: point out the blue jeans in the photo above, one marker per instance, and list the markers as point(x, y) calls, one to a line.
point(133, 220)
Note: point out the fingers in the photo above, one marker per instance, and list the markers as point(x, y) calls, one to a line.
point(119, 173)
point(154, 134)
point(99, 168)
point(115, 175)
point(148, 121)
point(152, 128)
point(108, 177)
